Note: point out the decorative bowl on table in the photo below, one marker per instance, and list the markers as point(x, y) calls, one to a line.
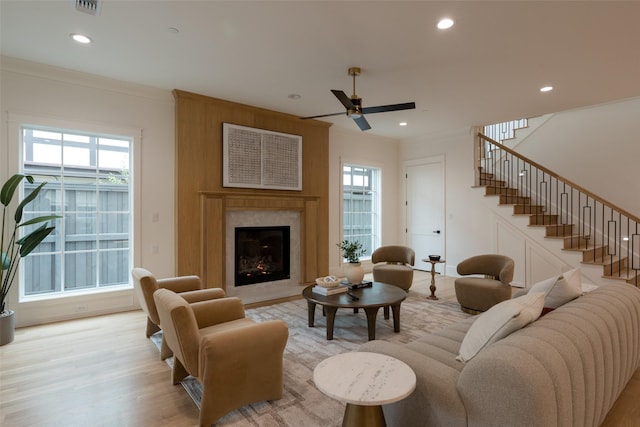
point(434, 257)
point(328, 281)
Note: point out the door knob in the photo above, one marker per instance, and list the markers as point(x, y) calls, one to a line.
point(436, 231)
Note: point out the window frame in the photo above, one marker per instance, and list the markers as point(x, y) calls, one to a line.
point(16, 122)
point(376, 188)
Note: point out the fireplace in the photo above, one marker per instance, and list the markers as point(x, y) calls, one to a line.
point(262, 254)
point(252, 219)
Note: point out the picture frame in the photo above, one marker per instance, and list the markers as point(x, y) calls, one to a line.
point(262, 159)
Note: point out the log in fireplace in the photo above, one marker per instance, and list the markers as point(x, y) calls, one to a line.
point(262, 254)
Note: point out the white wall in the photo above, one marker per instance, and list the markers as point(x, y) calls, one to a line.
point(475, 223)
point(358, 147)
point(30, 89)
point(468, 224)
point(596, 147)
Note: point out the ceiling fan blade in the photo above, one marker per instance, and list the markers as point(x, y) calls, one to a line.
point(362, 123)
point(344, 99)
point(391, 107)
point(322, 115)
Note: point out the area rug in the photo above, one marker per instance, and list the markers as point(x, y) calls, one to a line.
point(302, 403)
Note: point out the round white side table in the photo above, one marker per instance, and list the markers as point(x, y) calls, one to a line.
point(365, 381)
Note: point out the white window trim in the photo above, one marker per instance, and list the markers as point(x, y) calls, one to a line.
point(44, 310)
point(378, 226)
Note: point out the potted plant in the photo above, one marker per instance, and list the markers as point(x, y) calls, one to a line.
point(352, 251)
point(14, 248)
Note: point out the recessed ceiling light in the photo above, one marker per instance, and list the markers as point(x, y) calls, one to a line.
point(402, 123)
point(294, 96)
point(445, 23)
point(546, 89)
point(173, 30)
point(81, 38)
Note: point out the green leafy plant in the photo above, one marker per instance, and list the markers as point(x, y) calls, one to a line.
point(351, 251)
point(15, 248)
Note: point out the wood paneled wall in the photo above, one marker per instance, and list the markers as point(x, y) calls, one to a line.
point(198, 156)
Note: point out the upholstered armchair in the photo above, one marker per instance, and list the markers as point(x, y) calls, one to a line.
point(394, 265)
point(189, 288)
point(237, 360)
point(478, 294)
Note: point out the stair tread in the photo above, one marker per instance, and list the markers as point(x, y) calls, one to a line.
point(576, 248)
point(623, 276)
point(575, 236)
point(606, 260)
point(506, 199)
point(582, 246)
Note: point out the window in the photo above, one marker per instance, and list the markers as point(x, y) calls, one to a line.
point(89, 186)
point(361, 205)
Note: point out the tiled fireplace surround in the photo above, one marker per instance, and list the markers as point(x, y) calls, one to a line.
point(222, 212)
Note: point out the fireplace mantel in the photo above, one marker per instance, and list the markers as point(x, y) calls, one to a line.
point(214, 206)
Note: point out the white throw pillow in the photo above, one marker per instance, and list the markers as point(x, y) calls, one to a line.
point(499, 321)
point(560, 290)
point(574, 278)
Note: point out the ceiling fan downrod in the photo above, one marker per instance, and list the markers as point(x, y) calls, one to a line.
point(354, 72)
point(355, 112)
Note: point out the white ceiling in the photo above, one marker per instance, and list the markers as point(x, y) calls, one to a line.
point(485, 69)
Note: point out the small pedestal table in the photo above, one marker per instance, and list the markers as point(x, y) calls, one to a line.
point(365, 381)
point(433, 276)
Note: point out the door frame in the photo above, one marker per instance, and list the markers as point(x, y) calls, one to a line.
point(419, 162)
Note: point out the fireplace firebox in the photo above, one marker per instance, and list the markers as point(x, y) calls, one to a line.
point(261, 254)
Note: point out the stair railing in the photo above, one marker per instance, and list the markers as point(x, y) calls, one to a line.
point(505, 130)
point(605, 233)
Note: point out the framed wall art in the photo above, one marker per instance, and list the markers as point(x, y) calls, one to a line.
point(257, 158)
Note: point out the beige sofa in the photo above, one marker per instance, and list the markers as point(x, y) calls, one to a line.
point(565, 369)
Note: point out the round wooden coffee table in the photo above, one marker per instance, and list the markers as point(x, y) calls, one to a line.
point(369, 299)
point(365, 381)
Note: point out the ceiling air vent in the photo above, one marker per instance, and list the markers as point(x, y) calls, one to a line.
point(92, 7)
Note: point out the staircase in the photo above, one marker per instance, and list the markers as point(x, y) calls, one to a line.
point(605, 234)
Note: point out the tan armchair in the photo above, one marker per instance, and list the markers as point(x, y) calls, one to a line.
point(478, 294)
point(397, 268)
point(237, 360)
point(189, 288)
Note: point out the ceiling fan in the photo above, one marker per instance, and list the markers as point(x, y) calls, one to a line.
point(354, 105)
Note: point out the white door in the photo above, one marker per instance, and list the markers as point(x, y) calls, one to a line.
point(425, 210)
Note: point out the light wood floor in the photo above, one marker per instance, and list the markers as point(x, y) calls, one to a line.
point(103, 371)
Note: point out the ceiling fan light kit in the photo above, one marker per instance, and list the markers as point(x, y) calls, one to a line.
point(353, 105)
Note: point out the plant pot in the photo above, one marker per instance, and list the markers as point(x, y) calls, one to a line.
point(355, 273)
point(7, 326)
